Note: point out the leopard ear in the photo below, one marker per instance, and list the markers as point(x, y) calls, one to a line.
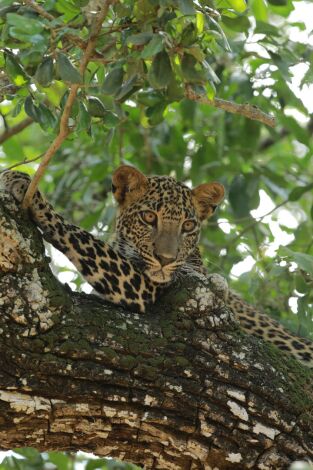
point(128, 185)
point(206, 198)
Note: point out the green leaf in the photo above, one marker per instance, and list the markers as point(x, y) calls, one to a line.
point(61, 460)
point(196, 52)
point(40, 113)
point(200, 22)
point(26, 25)
point(94, 464)
point(266, 28)
point(153, 47)
point(30, 109)
point(155, 114)
point(186, 7)
point(44, 72)
point(21, 36)
point(139, 39)
point(308, 77)
point(238, 5)
point(211, 74)
point(259, 9)
point(127, 88)
point(282, 64)
point(174, 91)
point(15, 70)
point(278, 3)
point(189, 35)
point(66, 69)
point(217, 26)
point(149, 97)
point(298, 131)
point(244, 194)
point(304, 261)
point(68, 9)
point(301, 285)
point(192, 70)
point(113, 81)
point(302, 314)
point(63, 100)
point(16, 111)
point(160, 73)
point(96, 107)
point(241, 24)
point(27, 452)
point(83, 118)
point(210, 90)
point(45, 117)
point(110, 119)
point(298, 192)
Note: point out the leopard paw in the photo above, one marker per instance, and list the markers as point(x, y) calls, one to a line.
point(219, 286)
point(15, 183)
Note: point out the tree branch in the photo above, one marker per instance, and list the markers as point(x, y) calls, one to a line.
point(254, 223)
point(15, 129)
point(247, 110)
point(180, 387)
point(23, 162)
point(41, 11)
point(64, 127)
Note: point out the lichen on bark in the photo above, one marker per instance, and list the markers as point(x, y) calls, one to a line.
point(180, 387)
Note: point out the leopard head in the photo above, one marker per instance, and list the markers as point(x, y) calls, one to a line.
point(160, 218)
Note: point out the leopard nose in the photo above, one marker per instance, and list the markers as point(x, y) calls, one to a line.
point(163, 259)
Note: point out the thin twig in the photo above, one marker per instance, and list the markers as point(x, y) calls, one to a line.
point(41, 11)
point(10, 131)
point(247, 110)
point(255, 222)
point(23, 162)
point(64, 127)
point(71, 37)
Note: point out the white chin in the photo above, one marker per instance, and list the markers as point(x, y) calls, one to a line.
point(158, 276)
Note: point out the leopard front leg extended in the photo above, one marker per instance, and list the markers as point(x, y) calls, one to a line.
point(112, 275)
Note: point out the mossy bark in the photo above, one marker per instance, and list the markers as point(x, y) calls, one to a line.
point(178, 388)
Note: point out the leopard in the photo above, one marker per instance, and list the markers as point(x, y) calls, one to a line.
point(158, 226)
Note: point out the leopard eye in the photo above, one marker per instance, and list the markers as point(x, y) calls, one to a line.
point(149, 217)
point(188, 226)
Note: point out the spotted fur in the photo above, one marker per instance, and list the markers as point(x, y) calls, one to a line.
point(157, 233)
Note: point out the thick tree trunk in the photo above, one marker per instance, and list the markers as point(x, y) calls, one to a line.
point(179, 388)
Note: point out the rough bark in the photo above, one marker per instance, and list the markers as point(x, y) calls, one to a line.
point(178, 388)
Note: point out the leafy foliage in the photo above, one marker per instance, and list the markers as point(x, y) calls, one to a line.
point(30, 459)
point(131, 107)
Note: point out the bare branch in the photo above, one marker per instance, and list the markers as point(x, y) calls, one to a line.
point(23, 162)
point(247, 110)
point(64, 127)
point(41, 11)
point(255, 222)
point(9, 132)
